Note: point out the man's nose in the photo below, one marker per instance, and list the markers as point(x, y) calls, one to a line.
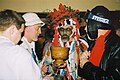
point(64, 31)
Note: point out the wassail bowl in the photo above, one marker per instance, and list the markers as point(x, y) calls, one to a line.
point(59, 54)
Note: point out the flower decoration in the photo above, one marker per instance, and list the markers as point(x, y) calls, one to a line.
point(62, 13)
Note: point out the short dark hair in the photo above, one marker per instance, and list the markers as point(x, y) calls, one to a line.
point(10, 17)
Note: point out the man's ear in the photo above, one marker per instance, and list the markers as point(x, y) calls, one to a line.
point(27, 29)
point(22, 28)
point(12, 29)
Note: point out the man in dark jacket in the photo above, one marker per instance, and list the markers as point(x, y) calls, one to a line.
point(103, 62)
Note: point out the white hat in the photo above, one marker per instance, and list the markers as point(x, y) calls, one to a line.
point(32, 19)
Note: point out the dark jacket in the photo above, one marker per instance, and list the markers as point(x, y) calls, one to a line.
point(109, 68)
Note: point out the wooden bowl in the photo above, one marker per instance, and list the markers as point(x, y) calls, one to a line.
point(59, 54)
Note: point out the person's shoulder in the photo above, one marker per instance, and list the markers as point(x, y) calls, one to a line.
point(17, 54)
point(18, 47)
point(19, 50)
point(114, 36)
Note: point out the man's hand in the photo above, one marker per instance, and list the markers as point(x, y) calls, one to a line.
point(84, 57)
point(48, 77)
point(44, 68)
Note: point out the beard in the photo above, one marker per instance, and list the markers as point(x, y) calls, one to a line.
point(65, 38)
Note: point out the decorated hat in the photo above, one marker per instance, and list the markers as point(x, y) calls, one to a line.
point(64, 15)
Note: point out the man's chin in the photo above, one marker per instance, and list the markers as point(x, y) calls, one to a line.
point(35, 39)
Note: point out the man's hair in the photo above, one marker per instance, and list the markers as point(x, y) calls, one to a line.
point(10, 17)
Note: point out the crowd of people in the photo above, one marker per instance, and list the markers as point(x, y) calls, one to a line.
point(93, 41)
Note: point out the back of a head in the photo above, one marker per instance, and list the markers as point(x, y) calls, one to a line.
point(8, 18)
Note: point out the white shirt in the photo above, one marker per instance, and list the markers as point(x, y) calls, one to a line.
point(26, 45)
point(16, 63)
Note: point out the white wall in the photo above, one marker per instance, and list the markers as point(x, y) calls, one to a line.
point(46, 5)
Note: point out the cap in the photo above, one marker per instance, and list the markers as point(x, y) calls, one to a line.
point(32, 19)
point(100, 16)
point(101, 11)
